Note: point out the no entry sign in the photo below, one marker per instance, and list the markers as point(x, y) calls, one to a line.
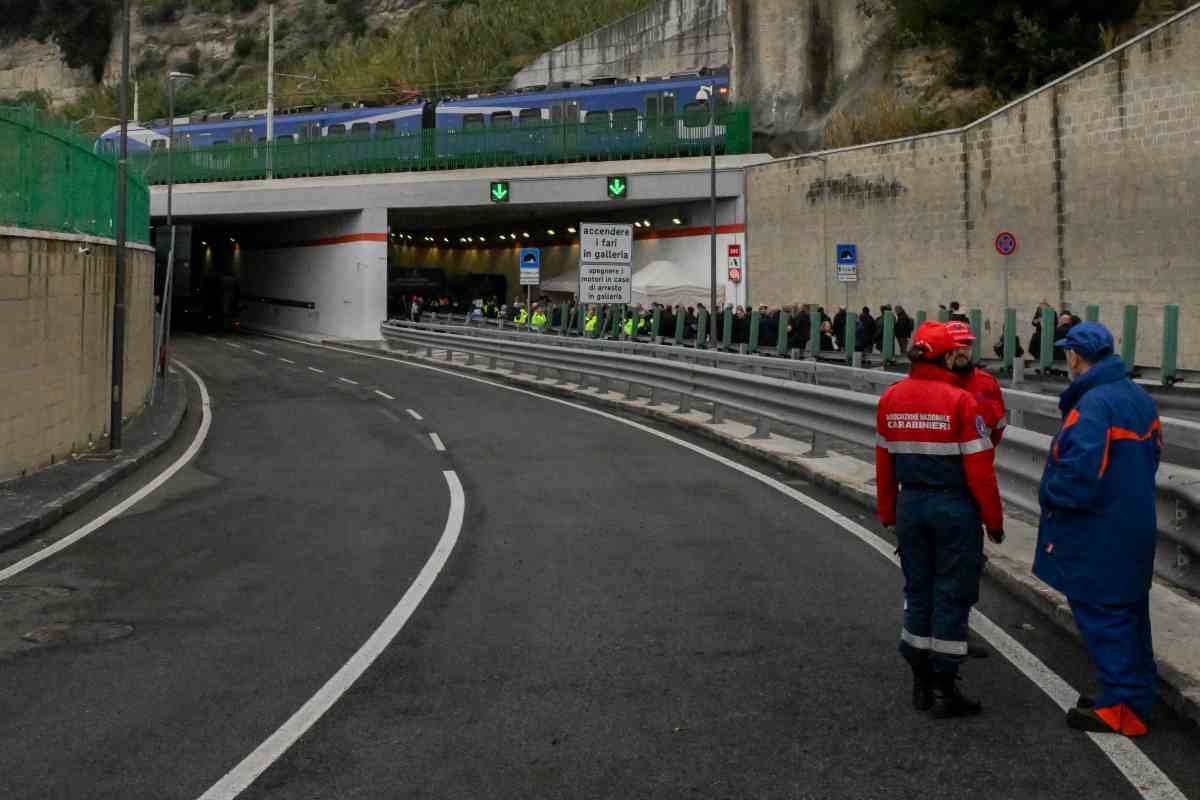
point(1006, 243)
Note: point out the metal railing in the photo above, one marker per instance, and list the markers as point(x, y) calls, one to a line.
point(824, 399)
point(52, 180)
point(440, 149)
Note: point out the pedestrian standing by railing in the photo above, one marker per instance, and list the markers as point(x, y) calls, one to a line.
point(982, 385)
point(936, 483)
point(1099, 527)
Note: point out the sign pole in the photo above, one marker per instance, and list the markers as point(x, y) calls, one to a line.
point(712, 146)
point(118, 318)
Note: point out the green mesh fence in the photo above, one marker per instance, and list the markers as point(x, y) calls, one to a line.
point(543, 143)
point(52, 180)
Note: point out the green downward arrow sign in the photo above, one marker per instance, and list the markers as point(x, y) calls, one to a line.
point(499, 192)
point(617, 188)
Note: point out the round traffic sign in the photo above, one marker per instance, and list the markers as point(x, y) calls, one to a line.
point(735, 274)
point(1006, 243)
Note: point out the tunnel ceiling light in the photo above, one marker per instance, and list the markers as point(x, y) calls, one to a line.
point(462, 240)
point(526, 234)
point(550, 231)
point(646, 222)
point(571, 230)
point(637, 224)
point(677, 221)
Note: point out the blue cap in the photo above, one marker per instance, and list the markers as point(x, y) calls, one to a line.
point(1090, 340)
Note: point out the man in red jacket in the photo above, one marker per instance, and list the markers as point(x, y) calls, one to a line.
point(982, 385)
point(936, 483)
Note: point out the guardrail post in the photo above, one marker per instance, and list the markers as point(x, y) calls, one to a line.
point(851, 331)
point(943, 315)
point(470, 359)
point(1046, 356)
point(1170, 359)
point(685, 404)
point(651, 397)
point(1010, 340)
point(492, 363)
point(449, 354)
point(1129, 337)
point(429, 351)
point(727, 331)
point(717, 418)
point(762, 429)
point(656, 324)
point(631, 392)
point(1092, 314)
point(680, 325)
point(701, 328)
point(814, 333)
point(818, 446)
point(889, 338)
point(781, 343)
point(921, 318)
point(755, 321)
point(856, 360)
point(976, 317)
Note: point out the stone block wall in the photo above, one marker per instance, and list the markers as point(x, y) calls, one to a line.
point(1096, 175)
point(56, 345)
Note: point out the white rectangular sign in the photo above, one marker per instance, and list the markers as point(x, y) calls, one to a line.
point(604, 283)
point(531, 276)
point(605, 243)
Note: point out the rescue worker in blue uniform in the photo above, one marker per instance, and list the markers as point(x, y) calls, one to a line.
point(1099, 529)
point(936, 483)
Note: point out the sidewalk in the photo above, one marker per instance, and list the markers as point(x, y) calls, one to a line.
point(1175, 616)
point(33, 503)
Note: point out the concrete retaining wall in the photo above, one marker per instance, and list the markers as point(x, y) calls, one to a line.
point(1096, 175)
point(671, 36)
point(56, 344)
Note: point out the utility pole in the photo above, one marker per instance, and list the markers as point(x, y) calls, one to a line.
point(271, 90)
point(711, 91)
point(118, 328)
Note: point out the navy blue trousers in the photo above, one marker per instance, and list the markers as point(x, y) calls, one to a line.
point(941, 551)
point(1119, 639)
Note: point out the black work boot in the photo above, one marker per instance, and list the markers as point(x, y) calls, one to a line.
point(922, 691)
point(948, 701)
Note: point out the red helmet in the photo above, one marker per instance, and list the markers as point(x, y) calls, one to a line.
point(935, 339)
point(960, 331)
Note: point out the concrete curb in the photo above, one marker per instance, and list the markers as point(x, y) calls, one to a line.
point(1177, 689)
point(52, 512)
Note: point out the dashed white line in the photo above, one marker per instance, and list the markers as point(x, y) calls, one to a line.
point(437, 443)
point(347, 380)
point(212, 338)
point(245, 773)
point(257, 352)
point(384, 395)
point(318, 371)
point(415, 415)
point(287, 361)
point(234, 346)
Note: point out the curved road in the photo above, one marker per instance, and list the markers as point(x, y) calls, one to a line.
point(620, 617)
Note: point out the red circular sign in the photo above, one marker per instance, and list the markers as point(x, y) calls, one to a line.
point(1006, 243)
point(735, 274)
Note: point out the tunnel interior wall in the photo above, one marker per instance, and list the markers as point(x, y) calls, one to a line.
point(317, 276)
point(1096, 176)
point(56, 304)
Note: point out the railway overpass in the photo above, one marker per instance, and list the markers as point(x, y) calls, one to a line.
point(313, 255)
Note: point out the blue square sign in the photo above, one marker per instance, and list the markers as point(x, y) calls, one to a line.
point(531, 258)
point(847, 254)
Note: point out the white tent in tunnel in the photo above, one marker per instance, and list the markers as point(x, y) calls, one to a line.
point(658, 282)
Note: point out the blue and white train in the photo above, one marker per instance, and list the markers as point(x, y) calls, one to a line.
point(617, 107)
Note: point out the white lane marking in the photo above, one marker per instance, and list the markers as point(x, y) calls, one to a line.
point(415, 415)
point(347, 380)
point(384, 395)
point(212, 338)
point(257, 352)
point(245, 773)
point(287, 361)
point(133, 499)
point(318, 371)
point(388, 414)
point(234, 346)
point(437, 443)
point(1142, 773)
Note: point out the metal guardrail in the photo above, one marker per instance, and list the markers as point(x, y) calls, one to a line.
point(828, 400)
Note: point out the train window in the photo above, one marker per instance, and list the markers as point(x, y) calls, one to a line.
point(572, 111)
point(286, 138)
point(651, 106)
point(385, 128)
point(183, 141)
point(531, 116)
point(502, 119)
point(597, 121)
point(311, 130)
point(336, 130)
point(243, 136)
point(473, 122)
point(360, 130)
point(625, 119)
point(158, 144)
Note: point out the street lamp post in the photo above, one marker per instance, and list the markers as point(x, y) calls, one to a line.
point(118, 318)
point(708, 93)
point(271, 90)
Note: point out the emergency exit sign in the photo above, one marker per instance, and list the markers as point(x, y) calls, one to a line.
point(500, 192)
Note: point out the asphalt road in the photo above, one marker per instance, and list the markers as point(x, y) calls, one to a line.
point(621, 617)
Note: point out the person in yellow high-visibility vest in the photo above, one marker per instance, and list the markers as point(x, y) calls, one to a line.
point(522, 316)
point(589, 326)
point(539, 318)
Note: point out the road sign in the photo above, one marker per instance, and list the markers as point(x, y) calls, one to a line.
point(618, 187)
point(735, 274)
point(500, 192)
point(605, 263)
point(735, 263)
point(531, 266)
point(1006, 243)
point(847, 263)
